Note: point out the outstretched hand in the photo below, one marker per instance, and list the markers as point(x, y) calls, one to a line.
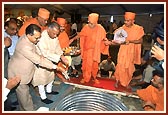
point(74, 38)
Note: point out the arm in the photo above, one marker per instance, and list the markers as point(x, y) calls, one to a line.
point(139, 41)
point(29, 53)
point(113, 42)
point(82, 42)
point(45, 47)
point(50, 49)
point(74, 38)
point(9, 84)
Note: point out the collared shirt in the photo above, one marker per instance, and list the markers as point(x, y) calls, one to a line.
point(14, 39)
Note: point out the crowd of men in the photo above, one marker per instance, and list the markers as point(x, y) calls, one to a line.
point(32, 55)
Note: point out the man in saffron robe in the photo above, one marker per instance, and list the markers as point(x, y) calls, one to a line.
point(153, 95)
point(130, 52)
point(92, 44)
point(63, 36)
point(64, 41)
point(40, 20)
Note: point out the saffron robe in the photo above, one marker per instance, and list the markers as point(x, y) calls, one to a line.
point(92, 45)
point(154, 95)
point(22, 30)
point(64, 42)
point(63, 39)
point(129, 55)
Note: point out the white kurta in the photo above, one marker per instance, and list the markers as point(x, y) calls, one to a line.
point(50, 49)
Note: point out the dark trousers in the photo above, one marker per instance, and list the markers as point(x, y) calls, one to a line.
point(104, 73)
point(6, 60)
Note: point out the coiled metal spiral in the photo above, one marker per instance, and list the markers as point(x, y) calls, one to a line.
point(90, 101)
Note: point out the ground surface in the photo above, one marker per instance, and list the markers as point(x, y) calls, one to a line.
point(133, 104)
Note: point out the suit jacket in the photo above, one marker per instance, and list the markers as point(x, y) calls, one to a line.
point(25, 59)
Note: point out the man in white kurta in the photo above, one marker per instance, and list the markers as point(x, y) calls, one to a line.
point(50, 48)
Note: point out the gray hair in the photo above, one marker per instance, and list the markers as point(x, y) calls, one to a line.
point(53, 25)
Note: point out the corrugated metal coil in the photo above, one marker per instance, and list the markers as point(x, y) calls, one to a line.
point(90, 101)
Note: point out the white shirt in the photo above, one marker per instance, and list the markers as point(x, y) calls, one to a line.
point(50, 48)
point(74, 26)
point(6, 90)
point(14, 40)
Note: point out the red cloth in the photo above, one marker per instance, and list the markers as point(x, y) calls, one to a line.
point(105, 83)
